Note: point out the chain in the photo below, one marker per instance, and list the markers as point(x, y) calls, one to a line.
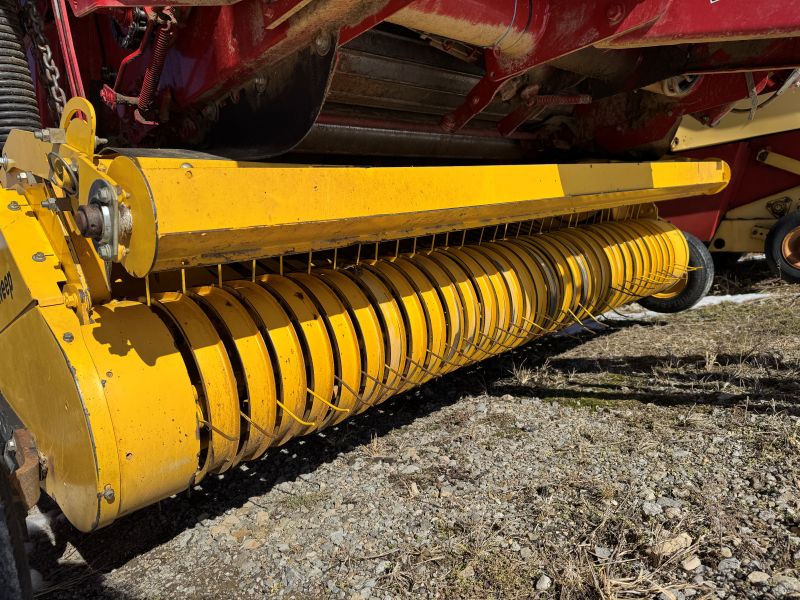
point(33, 21)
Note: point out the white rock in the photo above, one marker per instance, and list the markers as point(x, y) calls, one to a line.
point(758, 577)
point(544, 583)
point(691, 563)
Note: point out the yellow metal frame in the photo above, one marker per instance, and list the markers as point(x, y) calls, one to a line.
point(132, 399)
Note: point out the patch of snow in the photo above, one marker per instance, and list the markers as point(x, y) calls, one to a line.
point(634, 312)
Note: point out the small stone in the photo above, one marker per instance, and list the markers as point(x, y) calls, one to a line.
point(283, 548)
point(251, 544)
point(725, 552)
point(667, 595)
point(409, 470)
point(526, 553)
point(728, 564)
point(672, 545)
point(758, 577)
point(672, 513)
point(691, 563)
point(467, 572)
point(651, 509)
point(785, 586)
point(544, 583)
point(507, 398)
point(602, 552)
point(413, 489)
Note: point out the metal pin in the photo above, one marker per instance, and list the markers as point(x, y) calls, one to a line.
point(358, 255)
point(218, 431)
point(257, 426)
point(335, 257)
point(326, 402)
point(280, 265)
point(348, 387)
point(380, 383)
point(397, 248)
point(414, 249)
point(183, 280)
point(377, 250)
point(294, 416)
point(310, 255)
point(219, 275)
point(147, 289)
point(463, 238)
point(433, 242)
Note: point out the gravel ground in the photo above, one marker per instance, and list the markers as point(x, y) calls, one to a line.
point(652, 458)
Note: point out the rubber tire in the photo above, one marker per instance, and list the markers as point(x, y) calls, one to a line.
point(772, 247)
point(15, 577)
point(698, 284)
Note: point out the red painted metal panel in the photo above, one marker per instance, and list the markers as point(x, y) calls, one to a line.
point(750, 181)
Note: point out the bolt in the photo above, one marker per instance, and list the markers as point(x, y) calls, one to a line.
point(68, 337)
point(4, 162)
point(42, 134)
point(39, 257)
point(186, 165)
point(50, 204)
point(22, 177)
point(322, 44)
point(13, 205)
point(106, 252)
point(615, 13)
point(108, 493)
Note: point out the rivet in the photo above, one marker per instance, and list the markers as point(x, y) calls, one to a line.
point(68, 337)
point(13, 205)
point(39, 257)
point(186, 165)
point(108, 493)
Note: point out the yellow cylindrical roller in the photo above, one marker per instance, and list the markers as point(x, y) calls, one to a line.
point(286, 355)
point(215, 382)
point(344, 342)
point(368, 332)
point(251, 365)
point(315, 343)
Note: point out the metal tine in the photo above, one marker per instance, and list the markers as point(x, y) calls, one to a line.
point(539, 327)
point(253, 271)
point(147, 289)
point(285, 409)
point(326, 402)
point(580, 323)
point(183, 280)
point(406, 378)
point(219, 275)
point(442, 358)
point(588, 312)
point(478, 348)
point(422, 367)
point(494, 341)
point(257, 426)
point(217, 430)
point(349, 388)
point(380, 383)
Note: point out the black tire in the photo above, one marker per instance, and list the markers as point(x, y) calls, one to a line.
point(725, 261)
point(699, 281)
point(786, 229)
point(15, 577)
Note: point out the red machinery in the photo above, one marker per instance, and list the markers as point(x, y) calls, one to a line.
point(760, 210)
point(487, 80)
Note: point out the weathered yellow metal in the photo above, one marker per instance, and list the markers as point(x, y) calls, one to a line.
point(782, 114)
point(136, 389)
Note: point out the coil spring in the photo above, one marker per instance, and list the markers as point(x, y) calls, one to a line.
point(284, 356)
